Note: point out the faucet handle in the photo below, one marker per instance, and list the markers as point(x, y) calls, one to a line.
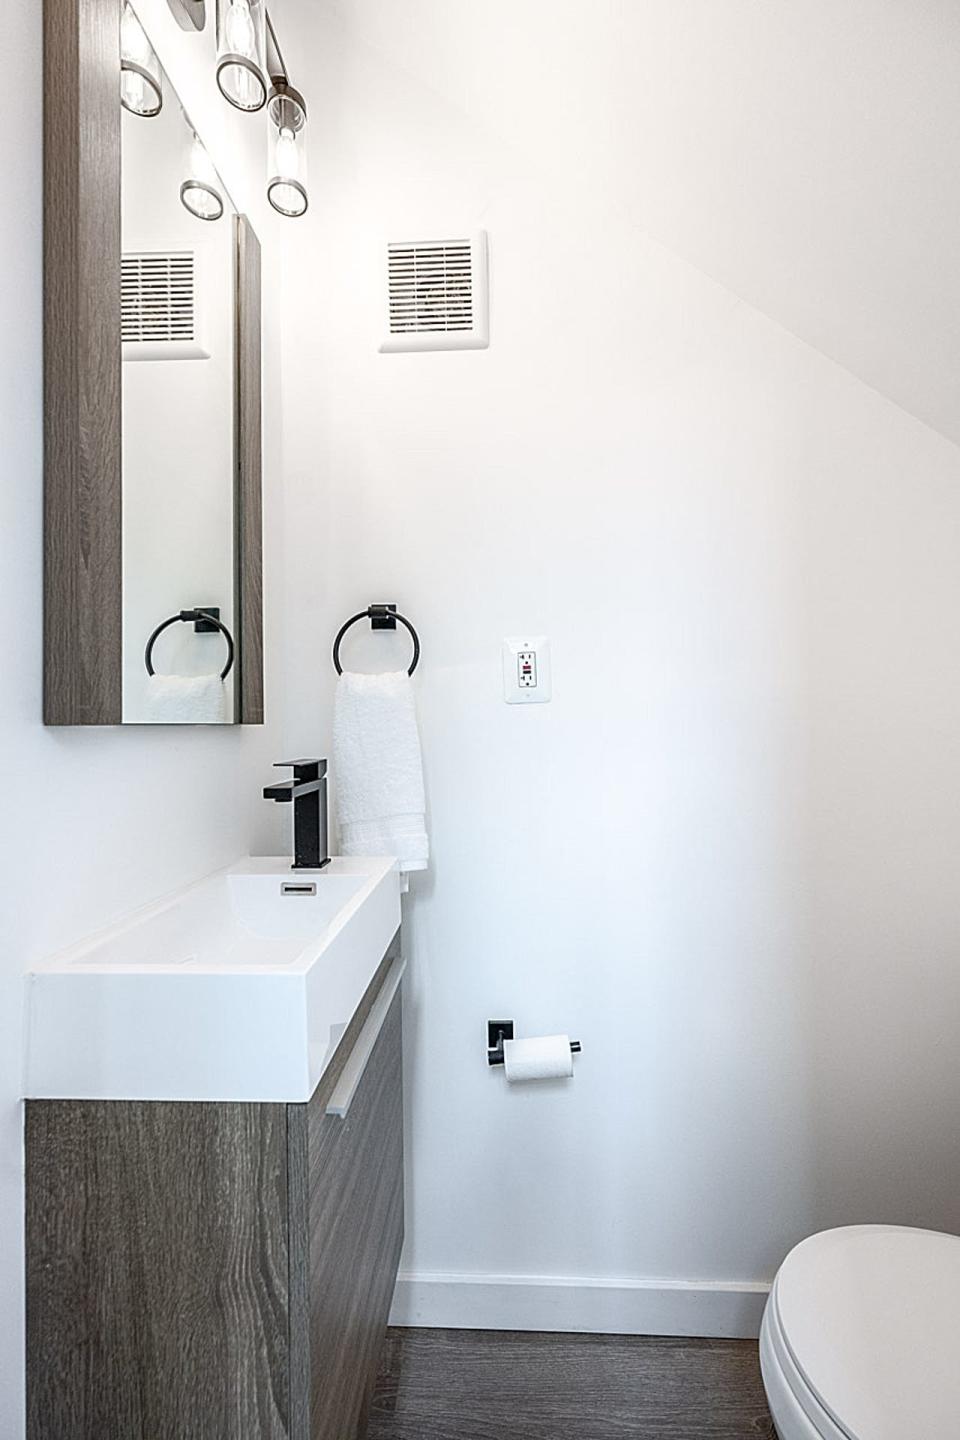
point(303, 769)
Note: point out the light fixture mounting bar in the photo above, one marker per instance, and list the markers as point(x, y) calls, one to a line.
point(286, 106)
point(276, 67)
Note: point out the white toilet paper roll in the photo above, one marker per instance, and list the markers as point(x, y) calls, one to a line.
point(544, 1057)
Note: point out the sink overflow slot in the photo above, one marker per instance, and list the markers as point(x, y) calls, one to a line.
point(288, 887)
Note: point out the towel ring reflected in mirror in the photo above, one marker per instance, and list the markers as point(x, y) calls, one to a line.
point(381, 617)
point(204, 620)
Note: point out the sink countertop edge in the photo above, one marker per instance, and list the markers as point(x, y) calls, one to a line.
point(164, 1054)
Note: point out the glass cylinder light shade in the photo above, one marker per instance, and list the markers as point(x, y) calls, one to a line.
point(141, 84)
point(201, 191)
point(241, 52)
point(287, 164)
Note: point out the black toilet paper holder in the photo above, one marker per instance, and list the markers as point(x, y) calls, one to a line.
point(500, 1030)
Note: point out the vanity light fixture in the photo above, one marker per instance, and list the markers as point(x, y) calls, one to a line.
point(241, 53)
point(286, 186)
point(287, 160)
point(200, 191)
point(141, 83)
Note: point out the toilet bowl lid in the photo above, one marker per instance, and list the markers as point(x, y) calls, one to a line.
point(871, 1318)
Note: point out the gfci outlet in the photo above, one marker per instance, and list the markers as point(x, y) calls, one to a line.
point(526, 670)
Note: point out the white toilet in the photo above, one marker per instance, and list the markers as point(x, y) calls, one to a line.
point(861, 1337)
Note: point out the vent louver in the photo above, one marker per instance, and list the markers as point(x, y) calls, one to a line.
point(431, 288)
point(158, 298)
point(437, 294)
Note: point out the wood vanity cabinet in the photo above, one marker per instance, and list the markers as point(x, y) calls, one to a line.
point(218, 1271)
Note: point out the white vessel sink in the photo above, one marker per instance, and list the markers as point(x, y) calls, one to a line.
point(236, 988)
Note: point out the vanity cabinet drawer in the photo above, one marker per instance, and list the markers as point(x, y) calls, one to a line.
point(351, 1163)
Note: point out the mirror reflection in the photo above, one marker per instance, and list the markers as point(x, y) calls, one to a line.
point(179, 399)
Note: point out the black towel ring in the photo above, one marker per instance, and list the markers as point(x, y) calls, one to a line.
point(208, 620)
point(381, 617)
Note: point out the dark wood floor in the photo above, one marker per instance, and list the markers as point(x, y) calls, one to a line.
point(505, 1385)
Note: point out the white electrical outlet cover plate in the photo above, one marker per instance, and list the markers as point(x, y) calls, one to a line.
point(526, 670)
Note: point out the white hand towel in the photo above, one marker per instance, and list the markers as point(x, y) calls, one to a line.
point(186, 700)
point(379, 770)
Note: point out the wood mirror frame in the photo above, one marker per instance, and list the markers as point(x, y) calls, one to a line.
point(83, 561)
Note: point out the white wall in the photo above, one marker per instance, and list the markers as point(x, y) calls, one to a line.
point(725, 855)
point(798, 152)
point(94, 822)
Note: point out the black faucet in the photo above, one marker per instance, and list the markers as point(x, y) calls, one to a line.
point(308, 791)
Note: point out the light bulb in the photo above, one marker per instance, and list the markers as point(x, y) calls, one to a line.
point(287, 155)
point(243, 88)
point(201, 166)
point(238, 30)
point(240, 48)
point(286, 189)
point(134, 44)
point(133, 92)
point(141, 83)
point(200, 192)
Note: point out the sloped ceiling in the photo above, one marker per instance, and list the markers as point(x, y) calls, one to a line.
point(805, 153)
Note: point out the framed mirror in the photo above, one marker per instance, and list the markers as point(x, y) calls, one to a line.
point(153, 394)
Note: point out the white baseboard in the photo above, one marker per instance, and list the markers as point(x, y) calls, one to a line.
point(725, 1308)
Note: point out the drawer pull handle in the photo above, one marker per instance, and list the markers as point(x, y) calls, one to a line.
point(352, 1073)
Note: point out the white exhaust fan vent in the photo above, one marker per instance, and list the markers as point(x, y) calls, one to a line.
point(158, 306)
point(438, 295)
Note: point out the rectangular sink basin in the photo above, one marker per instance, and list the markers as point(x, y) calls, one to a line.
point(235, 988)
